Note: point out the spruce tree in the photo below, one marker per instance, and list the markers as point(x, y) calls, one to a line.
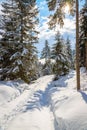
point(29, 37)
point(69, 53)
point(18, 57)
point(61, 62)
point(46, 51)
point(9, 35)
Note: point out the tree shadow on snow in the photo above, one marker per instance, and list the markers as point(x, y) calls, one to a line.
point(40, 99)
point(62, 81)
point(84, 96)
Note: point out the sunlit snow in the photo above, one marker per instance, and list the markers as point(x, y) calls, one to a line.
point(45, 104)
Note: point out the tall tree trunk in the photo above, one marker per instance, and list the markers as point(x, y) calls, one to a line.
point(86, 41)
point(86, 52)
point(77, 46)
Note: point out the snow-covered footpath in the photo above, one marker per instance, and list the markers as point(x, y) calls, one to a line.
point(44, 104)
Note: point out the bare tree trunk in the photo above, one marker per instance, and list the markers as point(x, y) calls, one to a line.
point(77, 46)
point(86, 52)
point(86, 41)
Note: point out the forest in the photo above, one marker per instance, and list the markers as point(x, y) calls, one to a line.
point(43, 89)
point(18, 53)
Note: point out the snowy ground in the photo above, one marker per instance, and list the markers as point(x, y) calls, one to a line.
point(44, 105)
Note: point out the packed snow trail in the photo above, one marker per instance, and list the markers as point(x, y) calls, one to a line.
point(33, 120)
point(30, 110)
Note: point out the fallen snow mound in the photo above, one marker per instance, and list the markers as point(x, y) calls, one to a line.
point(7, 93)
point(44, 104)
point(11, 89)
point(69, 105)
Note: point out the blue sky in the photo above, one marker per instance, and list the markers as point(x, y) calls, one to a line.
point(46, 34)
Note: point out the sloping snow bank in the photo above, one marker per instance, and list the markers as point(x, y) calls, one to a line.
point(10, 90)
point(33, 120)
point(69, 106)
point(7, 93)
point(44, 104)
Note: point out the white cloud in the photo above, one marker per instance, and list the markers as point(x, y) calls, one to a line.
point(45, 18)
point(68, 28)
point(44, 31)
point(42, 5)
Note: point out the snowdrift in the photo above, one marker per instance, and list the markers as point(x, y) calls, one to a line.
point(44, 104)
point(69, 106)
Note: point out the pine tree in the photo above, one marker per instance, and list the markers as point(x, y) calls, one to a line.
point(83, 37)
point(18, 57)
point(61, 62)
point(58, 7)
point(57, 18)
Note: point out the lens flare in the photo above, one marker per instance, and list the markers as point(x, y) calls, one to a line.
point(66, 8)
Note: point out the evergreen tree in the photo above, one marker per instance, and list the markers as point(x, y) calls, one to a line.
point(69, 53)
point(83, 36)
point(47, 68)
point(46, 51)
point(29, 21)
point(57, 18)
point(58, 7)
point(9, 37)
point(61, 62)
point(18, 57)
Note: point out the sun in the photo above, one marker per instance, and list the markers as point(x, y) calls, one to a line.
point(66, 8)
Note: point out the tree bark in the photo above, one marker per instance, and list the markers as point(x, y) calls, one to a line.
point(77, 46)
point(86, 52)
point(86, 41)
